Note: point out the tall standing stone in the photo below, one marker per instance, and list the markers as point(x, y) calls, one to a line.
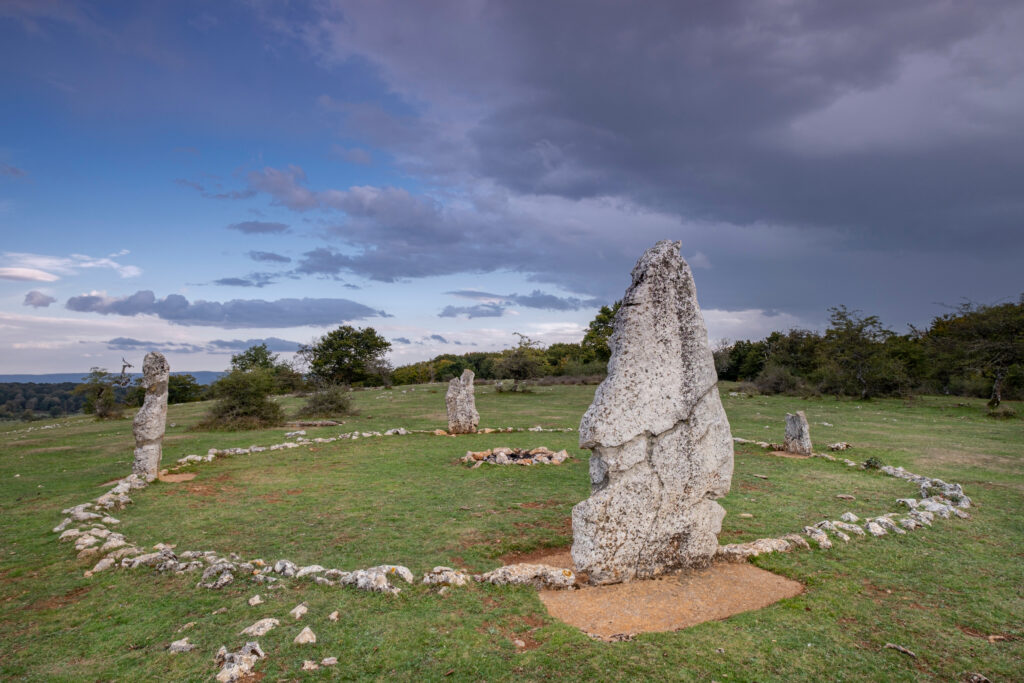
point(798, 434)
point(660, 441)
point(150, 422)
point(462, 415)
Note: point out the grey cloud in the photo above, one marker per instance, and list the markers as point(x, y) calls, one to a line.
point(269, 256)
point(235, 313)
point(129, 344)
point(535, 299)
point(37, 299)
point(438, 338)
point(477, 311)
point(275, 344)
point(401, 340)
point(251, 280)
point(834, 137)
point(259, 227)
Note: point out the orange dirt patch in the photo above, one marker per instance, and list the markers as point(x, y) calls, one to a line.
point(668, 603)
point(175, 478)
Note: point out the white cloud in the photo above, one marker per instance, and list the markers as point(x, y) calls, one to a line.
point(27, 275)
point(67, 265)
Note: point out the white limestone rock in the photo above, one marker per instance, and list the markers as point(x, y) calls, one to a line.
point(151, 420)
point(445, 576)
point(660, 441)
point(740, 552)
point(538, 575)
point(261, 627)
point(462, 415)
point(305, 637)
point(798, 434)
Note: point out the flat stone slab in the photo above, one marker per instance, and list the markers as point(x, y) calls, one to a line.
point(667, 603)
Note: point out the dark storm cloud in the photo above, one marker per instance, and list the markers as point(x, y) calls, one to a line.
point(873, 150)
point(269, 257)
point(235, 313)
point(259, 227)
point(37, 299)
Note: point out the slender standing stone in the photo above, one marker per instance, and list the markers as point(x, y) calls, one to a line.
point(151, 419)
point(798, 434)
point(661, 447)
point(462, 415)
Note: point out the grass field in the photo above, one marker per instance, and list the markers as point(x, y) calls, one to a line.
point(941, 592)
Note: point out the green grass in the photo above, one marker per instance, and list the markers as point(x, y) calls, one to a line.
point(405, 500)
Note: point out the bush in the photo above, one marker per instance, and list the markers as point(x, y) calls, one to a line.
point(1003, 412)
point(328, 401)
point(777, 379)
point(243, 401)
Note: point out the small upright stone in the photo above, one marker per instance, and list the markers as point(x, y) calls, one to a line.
point(150, 421)
point(660, 441)
point(462, 415)
point(798, 434)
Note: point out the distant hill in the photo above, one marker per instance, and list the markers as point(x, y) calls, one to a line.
point(202, 376)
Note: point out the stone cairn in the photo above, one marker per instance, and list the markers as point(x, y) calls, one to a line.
point(798, 434)
point(661, 447)
point(462, 415)
point(150, 421)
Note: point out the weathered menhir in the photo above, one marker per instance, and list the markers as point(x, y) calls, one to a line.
point(661, 447)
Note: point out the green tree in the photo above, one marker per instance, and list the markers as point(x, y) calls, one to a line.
point(99, 388)
point(347, 355)
point(987, 340)
point(257, 356)
point(184, 389)
point(522, 362)
point(854, 358)
point(596, 338)
point(243, 401)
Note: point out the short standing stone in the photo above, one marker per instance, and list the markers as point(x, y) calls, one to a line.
point(660, 441)
point(798, 434)
point(462, 415)
point(150, 421)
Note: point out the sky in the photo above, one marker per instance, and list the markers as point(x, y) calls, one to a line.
point(197, 177)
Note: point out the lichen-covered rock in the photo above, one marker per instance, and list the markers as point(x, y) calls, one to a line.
point(818, 536)
point(846, 526)
point(538, 575)
point(798, 434)
point(238, 665)
point(299, 611)
point(849, 517)
point(261, 627)
point(739, 552)
point(150, 422)
point(660, 441)
point(462, 415)
point(874, 528)
point(445, 576)
point(181, 646)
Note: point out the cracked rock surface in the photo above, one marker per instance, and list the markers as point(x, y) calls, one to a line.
point(461, 403)
point(661, 447)
point(151, 420)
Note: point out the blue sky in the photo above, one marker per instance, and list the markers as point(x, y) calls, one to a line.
point(194, 176)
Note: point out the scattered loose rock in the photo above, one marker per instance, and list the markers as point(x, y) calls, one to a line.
point(181, 646)
point(261, 627)
point(299, 610)
point(538, 575)
point(306, 636)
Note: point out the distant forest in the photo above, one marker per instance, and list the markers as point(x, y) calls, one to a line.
point(975, 350)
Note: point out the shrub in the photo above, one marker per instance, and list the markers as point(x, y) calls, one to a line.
point(1003, 412)
point(777, 379)
point(243, 401)
point(873, 463)
point(329, 400)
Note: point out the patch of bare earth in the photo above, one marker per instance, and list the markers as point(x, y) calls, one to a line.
point(784, 454)
point(667, 603)
point(175, 478)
